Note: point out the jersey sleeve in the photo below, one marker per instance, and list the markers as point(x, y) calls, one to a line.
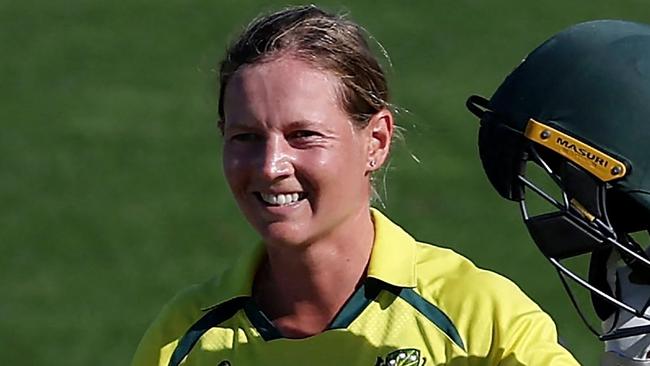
point(160, 339)
point(498, 323)
point(508, 328)
point(530, 338)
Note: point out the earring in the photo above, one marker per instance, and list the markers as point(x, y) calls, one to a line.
point(372, 163)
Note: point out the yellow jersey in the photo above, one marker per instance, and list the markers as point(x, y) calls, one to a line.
point(420, 304)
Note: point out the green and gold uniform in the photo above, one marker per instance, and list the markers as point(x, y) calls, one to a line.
point(419, 304)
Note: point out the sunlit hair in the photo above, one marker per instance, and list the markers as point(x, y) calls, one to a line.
point(327, 41)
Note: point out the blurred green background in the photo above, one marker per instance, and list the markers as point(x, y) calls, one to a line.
point(111, 194)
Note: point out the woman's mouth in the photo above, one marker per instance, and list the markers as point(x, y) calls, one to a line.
point(280, 199)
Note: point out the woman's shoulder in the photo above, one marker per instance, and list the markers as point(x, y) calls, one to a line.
point(182, 310)
point(487, 309)
point(438, 273)
point(445, 276)
point(175, 318)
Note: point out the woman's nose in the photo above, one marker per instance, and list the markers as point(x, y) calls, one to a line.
point(277, 161)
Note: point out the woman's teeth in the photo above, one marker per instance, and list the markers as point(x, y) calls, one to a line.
point(280, 199)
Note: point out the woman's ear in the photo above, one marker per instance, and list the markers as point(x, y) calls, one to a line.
point(380, 134)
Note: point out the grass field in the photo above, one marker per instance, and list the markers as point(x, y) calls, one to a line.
point(111, 191)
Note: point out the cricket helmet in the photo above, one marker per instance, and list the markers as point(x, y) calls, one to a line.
point(578, 106)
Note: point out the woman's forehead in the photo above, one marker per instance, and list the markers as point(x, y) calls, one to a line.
point(289, 72)
point(285, 88)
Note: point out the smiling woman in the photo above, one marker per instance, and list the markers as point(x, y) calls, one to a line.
point(306, 121)
point(286, 136)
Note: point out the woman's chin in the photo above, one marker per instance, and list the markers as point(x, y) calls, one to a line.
point(283, 234)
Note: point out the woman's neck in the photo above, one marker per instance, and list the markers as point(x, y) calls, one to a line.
point(302, 289)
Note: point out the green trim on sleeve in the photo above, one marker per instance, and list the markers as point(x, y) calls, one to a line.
point(433, 313)
point(214, 317)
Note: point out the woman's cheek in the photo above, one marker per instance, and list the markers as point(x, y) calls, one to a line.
point(232, 167)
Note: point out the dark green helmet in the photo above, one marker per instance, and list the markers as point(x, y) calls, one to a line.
point(579, 107)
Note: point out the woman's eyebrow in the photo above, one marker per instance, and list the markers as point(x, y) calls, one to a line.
point(301, 123)
point(309, 124)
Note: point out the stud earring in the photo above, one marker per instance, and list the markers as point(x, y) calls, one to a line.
point(372, 163)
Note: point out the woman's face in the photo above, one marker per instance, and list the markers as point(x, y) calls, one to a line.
point(296, 166)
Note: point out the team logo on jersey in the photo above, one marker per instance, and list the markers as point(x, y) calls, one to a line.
point(402, 357)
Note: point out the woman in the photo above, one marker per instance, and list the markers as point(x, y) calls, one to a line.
point(306, 122)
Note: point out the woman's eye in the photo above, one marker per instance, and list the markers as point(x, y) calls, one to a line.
point(301, 134)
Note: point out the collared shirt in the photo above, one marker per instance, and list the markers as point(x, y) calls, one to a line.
point(419, 304)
